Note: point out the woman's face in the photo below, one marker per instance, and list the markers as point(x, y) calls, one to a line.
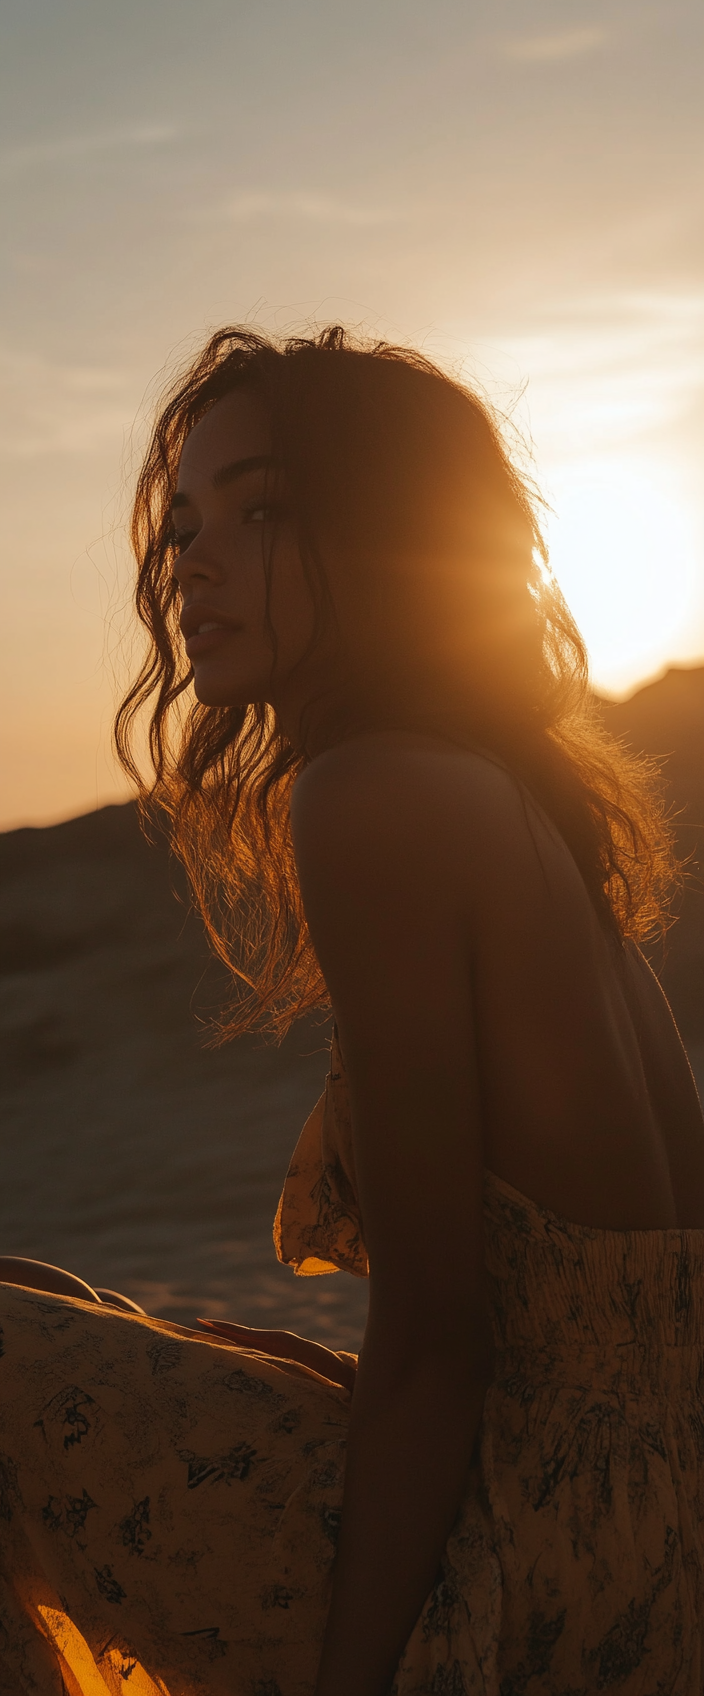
point(224, 532)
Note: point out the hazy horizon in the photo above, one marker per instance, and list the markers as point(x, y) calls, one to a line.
point(517, 194)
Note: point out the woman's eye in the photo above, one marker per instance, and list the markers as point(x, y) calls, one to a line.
point(181, 539)
point(260, 512)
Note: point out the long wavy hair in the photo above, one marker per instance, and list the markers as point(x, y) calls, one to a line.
point(461, 629)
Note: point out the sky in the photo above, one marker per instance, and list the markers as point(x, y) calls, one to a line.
point(514, 187)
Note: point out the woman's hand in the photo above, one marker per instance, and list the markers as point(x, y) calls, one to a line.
point(339, 1367)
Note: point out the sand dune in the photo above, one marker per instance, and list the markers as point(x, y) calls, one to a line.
point(141, 1160)
point(133, 1155)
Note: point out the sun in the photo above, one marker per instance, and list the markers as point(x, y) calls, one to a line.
point(623, 549)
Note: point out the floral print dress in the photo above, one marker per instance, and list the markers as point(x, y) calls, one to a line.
point(169, 1504)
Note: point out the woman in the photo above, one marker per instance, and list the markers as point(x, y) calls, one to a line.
point(390, 791)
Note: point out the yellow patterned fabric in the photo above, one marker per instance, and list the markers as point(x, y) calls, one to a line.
point(169, 1504)
point(318, 1226)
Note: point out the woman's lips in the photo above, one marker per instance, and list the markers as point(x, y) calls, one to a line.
point(208, 639)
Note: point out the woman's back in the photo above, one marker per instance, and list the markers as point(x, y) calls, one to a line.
point(586, 1097)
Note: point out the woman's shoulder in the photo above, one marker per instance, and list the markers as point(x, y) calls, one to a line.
point(423, 807)
point(383, 769)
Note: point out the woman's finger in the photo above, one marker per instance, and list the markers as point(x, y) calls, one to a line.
point(266, 1342)
point(339, 1369)
point(274, 1340)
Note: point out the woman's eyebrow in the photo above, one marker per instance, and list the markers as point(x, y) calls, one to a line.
point(228, 474)
point(238, 468)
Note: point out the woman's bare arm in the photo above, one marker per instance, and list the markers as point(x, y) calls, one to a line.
point(52, 1280)
point(38, 1275)
point(381, 874)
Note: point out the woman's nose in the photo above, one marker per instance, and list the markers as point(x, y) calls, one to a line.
point(197, 565)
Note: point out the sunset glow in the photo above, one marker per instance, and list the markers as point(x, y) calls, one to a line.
point(517, 195)
point(623, 547)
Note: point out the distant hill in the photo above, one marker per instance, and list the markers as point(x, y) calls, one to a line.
point(665, 720)
point(130, 1153)
point(135, 1156)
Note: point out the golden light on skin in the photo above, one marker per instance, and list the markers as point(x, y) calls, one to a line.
point(623, 547)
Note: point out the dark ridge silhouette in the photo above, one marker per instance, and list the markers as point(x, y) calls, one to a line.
point(144, 1162)
point(665, 720)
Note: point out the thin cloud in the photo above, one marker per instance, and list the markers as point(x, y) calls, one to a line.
point(55, 408)
point(69, 147)
point(549, 49)
point(608, 372)
point(316, 208)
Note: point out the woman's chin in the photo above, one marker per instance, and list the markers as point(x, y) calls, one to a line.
point(218, 691)
point(223, 697)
